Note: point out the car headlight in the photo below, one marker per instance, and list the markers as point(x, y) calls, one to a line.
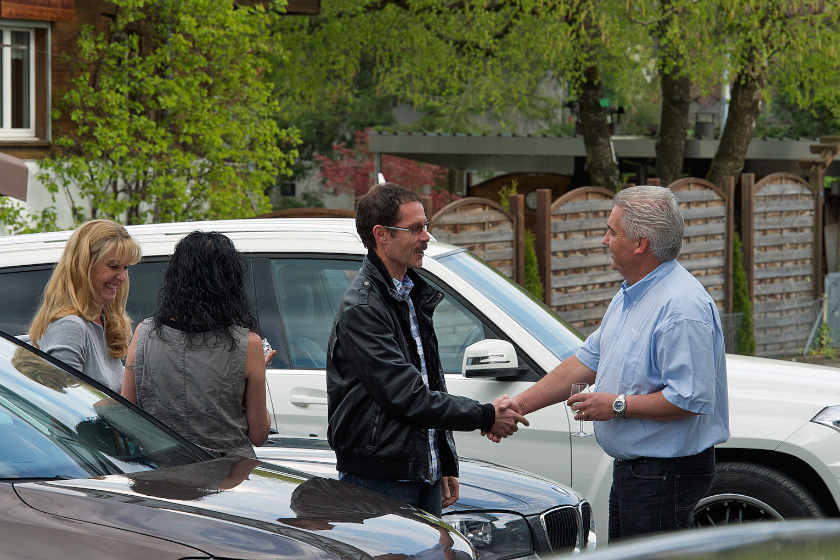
point(495, 535)
point(829, 416)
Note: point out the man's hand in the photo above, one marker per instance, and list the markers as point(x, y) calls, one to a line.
point(506, 421)
point(504, 405)
point(449, 490)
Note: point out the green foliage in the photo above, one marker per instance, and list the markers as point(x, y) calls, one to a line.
point(741, 302)
point(174, 118)
point(822, 344)
point(532, 270)
point(533, 283)
point(468, 66)
point(785, 119)
point(19, 220)
point(506, 192)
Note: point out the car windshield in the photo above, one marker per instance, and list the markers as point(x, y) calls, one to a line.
point(531, 314)
point(54, 425)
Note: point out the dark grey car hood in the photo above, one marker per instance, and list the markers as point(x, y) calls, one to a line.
point(484, 486)
point(226, 507)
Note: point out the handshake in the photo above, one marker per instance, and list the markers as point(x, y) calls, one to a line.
point(507, 417)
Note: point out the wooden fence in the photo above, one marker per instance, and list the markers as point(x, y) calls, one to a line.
point(488, 230)
point(580, 283)
point(578, 280)
point(780, 219)
point(707, 243)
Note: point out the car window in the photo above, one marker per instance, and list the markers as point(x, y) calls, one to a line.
point(308, 294)
point(23, 289)
point(55, 425)
point(27, 285)
point(146, 278)
point(309, 291)
point(456, 328)
point(534, 316)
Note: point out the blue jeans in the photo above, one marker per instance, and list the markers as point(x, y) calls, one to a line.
point(654, 495)
point(418, 494)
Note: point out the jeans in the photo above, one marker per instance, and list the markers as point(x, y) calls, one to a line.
point(655, 495)
point(418, 494)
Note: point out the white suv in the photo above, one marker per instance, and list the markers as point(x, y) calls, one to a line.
point(782, 461)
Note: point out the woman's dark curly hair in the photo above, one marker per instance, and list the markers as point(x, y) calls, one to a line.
point(204, 288)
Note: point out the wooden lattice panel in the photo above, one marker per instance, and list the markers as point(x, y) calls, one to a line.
point(582, 282)
point(704, 246)
point(480, 225)
point(783, 264)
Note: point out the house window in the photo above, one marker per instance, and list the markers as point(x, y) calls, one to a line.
point(17, 82)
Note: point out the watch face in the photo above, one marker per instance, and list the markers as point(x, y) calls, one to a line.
point(619, 405)
point(531, 200)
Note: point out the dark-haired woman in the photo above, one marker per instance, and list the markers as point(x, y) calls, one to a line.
point(198, 364)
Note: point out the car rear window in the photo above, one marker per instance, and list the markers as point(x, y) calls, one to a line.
point(22, 289)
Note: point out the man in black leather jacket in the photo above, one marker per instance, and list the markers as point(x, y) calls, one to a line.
point(390, 417)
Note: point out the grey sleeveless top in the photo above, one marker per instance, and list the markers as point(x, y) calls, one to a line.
point(195, 389)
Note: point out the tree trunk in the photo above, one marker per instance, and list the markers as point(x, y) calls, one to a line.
point(744, 110)
point(673, 126)
point(600, 156)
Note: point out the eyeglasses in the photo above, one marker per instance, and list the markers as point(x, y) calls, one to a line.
point(413, 230)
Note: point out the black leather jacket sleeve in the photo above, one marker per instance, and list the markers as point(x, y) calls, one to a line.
point(380, 410)
point(376, 356)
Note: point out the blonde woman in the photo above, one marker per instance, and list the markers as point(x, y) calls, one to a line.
point(82, 319)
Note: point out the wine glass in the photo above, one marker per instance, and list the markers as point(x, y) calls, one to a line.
point(580, 388)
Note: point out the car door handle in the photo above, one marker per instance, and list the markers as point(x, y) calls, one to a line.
point(306, 400)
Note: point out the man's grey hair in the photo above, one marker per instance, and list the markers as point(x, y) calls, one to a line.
point(652, 213)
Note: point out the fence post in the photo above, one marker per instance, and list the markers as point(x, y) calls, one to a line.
point(542, 243)
point(816, 180)
point(517, 208)
point(727, 184)
point(748, 228)
point(428, 207)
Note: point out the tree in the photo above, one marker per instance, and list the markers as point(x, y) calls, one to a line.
point(476, 65)
point(473, 66)
point(172, 116)
point(791, 45)
point(672, 25)
point(788, 45)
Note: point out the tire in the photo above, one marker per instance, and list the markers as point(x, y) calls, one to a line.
point(744, 492)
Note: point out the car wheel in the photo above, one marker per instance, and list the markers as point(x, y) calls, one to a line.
point(744, 492)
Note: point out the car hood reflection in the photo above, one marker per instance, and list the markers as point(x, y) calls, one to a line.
point(233, 504)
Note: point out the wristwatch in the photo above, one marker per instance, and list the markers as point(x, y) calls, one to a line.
point(618, 406)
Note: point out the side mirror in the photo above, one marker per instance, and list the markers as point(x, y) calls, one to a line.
point(491, 358)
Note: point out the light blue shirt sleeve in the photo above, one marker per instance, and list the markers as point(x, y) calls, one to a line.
point(589, 352)
point(686, 365)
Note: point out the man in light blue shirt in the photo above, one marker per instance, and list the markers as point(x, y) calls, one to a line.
point(658, 371)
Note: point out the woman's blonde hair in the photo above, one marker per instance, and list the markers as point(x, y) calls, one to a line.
point(70, 290)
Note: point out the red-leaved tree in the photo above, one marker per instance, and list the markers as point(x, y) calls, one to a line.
point(351, 170)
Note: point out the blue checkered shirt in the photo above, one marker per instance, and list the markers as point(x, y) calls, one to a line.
point(404, 291)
